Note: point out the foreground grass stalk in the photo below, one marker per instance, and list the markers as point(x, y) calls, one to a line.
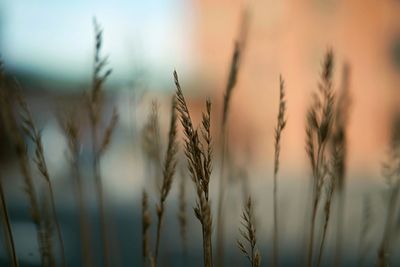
point(249, 235)
point(281, 123)
point(11, 126)
point(341, 119)
point(198, 153)
point(7, 227)
point(99, 146)
point(39, 159)
point(318, 131)
point(231, 84)
point(168, 175)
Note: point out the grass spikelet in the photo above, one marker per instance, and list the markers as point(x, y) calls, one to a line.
point(248, 234)
point(168, 175)
point(198, 156)
point(71, 130)
point(18, 141)
point(146, 222)
point(99, 144)
point(318, 130)
point(30, 130)
point(281, 123)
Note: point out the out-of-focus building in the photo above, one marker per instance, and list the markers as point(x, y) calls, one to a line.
point(291, 38)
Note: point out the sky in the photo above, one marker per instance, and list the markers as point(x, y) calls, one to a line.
point(56, 37)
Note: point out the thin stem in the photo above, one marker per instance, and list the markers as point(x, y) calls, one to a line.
point(100, 195)
point(7, 228)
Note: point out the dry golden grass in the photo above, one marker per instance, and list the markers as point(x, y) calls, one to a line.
point(198, 156)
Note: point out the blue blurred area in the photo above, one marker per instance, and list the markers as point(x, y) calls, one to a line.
point(55, 38)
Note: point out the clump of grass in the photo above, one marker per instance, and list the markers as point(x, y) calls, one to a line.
point(318, 130)
point(71, 129)
point(146, 222)
point(31, 131)
point(337, 168)
point(168, 174)
point(99, 146)
point(248, 233)
point(198, 155)
point(281, 123)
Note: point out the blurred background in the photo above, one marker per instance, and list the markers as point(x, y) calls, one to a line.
point(49, 45)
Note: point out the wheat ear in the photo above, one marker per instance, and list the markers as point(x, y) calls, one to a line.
point(40, 162)
point(281, 123)
point(318, 131)
point(168, 175)
point(199, 164)
point(248, 233)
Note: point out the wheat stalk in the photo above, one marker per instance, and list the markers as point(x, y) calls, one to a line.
point(248, 233)
point(281, 123)
point(11, 126)
point(230, 86)
point(99, 146)
point(31, 131)
point(7, 227)
point(198, 155)
point(340, 136)
point(6, 218)
point(71, 132)
point(318, 130)
point(168, 174)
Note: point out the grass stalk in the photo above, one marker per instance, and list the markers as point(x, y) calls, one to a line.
point(71, 131)
point(7, 228)
point(318, 131)
point(40, 162)
point(281, 123)
point(168, 175)
point(198, 153)
point(248, 233)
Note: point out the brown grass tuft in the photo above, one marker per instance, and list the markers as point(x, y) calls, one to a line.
point(318, 130)
point(199, 164)
point(248, 233)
